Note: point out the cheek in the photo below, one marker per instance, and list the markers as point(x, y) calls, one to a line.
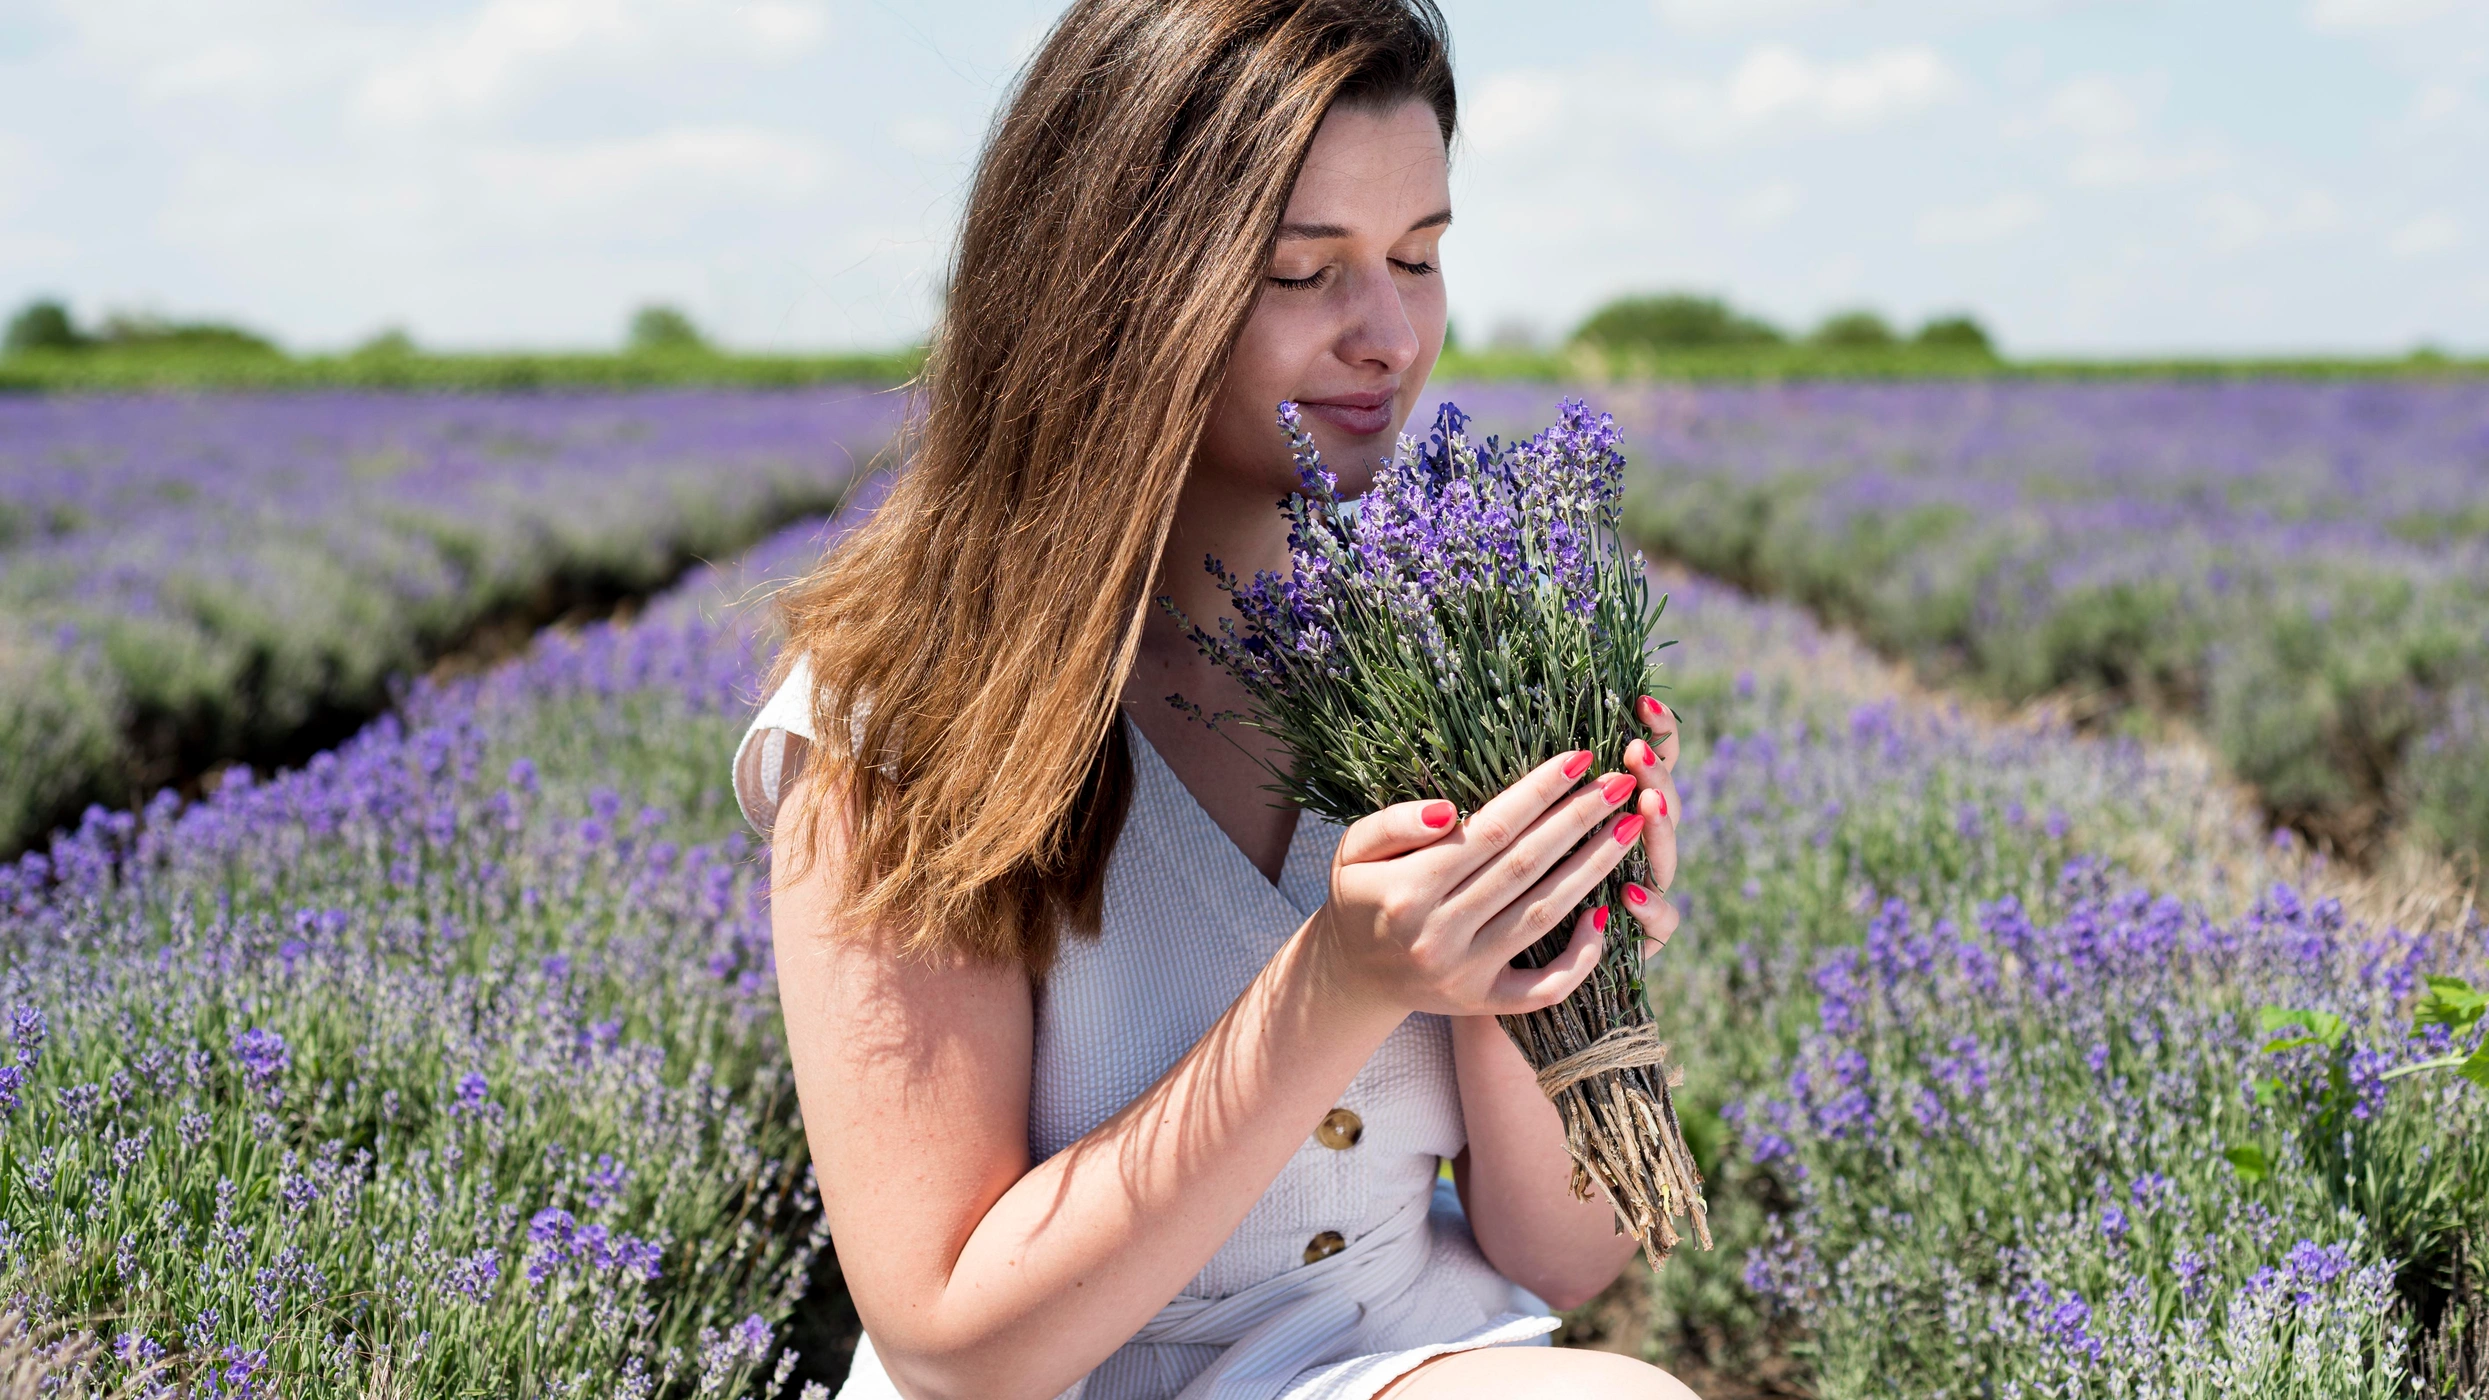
point(1279, 340)
point(1265, 367)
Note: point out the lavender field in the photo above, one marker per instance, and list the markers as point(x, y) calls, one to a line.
point(186, 580)
point(2300, 569)
point(450, 1061)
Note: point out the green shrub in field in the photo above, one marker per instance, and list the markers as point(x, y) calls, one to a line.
point(42, 325)
point(1673, 321)
point(1855, 330)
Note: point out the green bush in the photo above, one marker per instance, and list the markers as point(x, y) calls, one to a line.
point(1673, 321)
point(43, 325)
point(1855, 330)
point(664, 328)
point(1955, 333)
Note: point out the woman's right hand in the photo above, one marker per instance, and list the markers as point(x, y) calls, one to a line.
point(1426, 913)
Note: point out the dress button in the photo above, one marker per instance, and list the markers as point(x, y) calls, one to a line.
point(1340, 1130)
point(1324, 1245)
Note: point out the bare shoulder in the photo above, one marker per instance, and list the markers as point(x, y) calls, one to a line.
point(913, 1073)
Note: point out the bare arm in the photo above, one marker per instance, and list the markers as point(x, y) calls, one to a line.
point(980, 1274)
point(1514, 1176)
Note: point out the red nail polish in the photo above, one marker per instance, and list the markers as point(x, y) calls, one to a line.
point(1615, 788)
point(1650, 709)
point(1577, 764)
point(1639, 754)
point(1636, 896)
point(1663, 804)
point(1598, 918)
point(1628, 829)
point(1437, 814)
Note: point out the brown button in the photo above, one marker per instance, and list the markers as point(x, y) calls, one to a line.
point(1340, 1130)
point(1324, 1245)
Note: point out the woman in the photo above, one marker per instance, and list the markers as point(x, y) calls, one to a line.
point(1119, 1079)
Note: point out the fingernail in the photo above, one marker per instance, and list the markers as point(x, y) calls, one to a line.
point(1598, 918)
point(1651, 709)
point(1436, 814)
point(1628, 829)
point(1635, 895)
point(1638, 753)
point(1615, 788)
point(1663, 804)
point(1577, 763)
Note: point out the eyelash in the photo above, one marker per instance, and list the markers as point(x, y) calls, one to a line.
point(1307, 284)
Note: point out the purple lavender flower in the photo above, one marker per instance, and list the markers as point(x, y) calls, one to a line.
point(263, 1055)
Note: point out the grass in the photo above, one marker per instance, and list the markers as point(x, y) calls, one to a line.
point(131, 368)
point(126, 369)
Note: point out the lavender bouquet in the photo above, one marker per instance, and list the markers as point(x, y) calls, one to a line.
point(1471, 616)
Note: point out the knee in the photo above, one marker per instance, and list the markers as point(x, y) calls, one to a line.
point(1606, 1376)
point(1539, 1373)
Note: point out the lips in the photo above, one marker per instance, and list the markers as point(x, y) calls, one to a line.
point(1358, 415)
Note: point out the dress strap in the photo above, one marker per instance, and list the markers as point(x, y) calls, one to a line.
point(773, 749)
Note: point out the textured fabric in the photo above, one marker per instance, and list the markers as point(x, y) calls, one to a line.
point(1188, 923)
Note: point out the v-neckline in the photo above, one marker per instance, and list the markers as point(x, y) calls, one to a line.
point(1207, 835)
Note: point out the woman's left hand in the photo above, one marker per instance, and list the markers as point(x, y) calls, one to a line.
point(1653, 765)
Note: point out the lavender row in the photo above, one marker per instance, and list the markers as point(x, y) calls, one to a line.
point(1973, 1093)
point(448, 1064)
point(189, 580)
point(2300, 568)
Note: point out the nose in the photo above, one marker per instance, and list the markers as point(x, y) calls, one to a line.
point(1377, 330)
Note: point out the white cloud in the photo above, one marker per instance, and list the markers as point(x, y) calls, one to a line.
point(2128, 164)
point(2430, 233)
point(1514, 110)
point(2001, 217)
point(1773, 88)
point(1766, 206)
point(2099, 106)
point(685, 162)
point(1738, 14)
point(1777, 81)
point(2377, 14)
point(2232, 221)
point(489, 57)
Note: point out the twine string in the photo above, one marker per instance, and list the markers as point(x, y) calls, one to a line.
point(1626, 1047)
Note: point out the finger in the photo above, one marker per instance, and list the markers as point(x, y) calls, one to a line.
point(1663, 724)
point(1396, 830)
point(1509, 814)
point(1518, 990)
point(1484, 892)
point(1659, 835)
point(1658, 917)
point(1527, 919)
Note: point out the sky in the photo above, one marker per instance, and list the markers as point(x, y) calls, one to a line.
point(2086, 176)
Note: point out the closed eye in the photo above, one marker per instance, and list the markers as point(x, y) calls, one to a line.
point(1303, 284)
point(1415, 269)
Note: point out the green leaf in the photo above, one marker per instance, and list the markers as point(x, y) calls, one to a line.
point(2451, 1003)
point(2318, 1027)
point(2476, 1069)
point(2250, 1163)
point(2268, 1091)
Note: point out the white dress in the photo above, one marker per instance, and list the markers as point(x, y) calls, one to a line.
point(1188, 922)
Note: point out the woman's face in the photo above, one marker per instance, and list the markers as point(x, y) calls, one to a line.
point(1350, 317)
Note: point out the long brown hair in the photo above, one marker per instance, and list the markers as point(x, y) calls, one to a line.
point(974, 636)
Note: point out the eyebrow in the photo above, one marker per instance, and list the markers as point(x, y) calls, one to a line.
point(1441, 218)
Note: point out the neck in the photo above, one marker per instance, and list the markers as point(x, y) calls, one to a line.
point(1245, 532)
